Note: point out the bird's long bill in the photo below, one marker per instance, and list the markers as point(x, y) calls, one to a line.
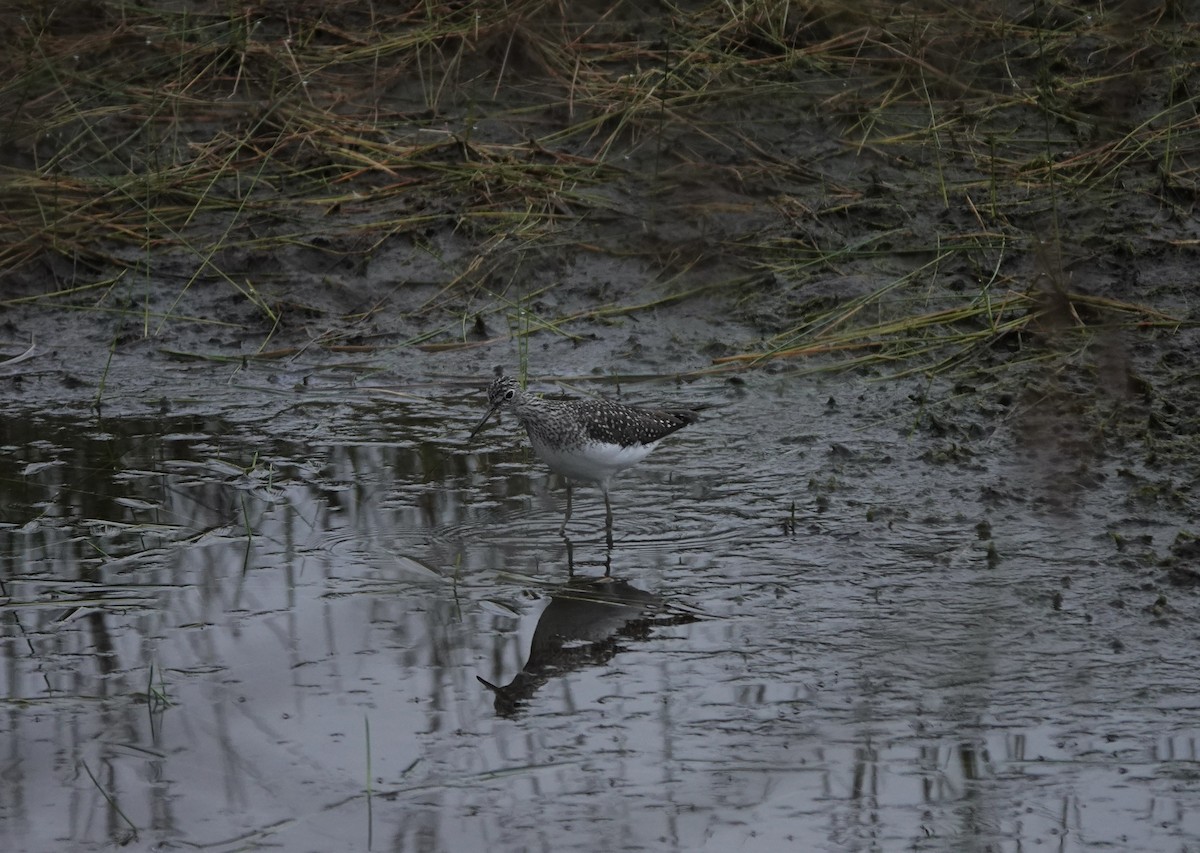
point(486, 418)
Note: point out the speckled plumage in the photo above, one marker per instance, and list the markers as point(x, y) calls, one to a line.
point(587, 440)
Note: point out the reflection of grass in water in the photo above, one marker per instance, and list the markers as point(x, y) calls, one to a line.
point(112, 803)
point(156, 697)
point(218, 134)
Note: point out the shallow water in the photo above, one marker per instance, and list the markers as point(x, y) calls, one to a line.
point(823, 630)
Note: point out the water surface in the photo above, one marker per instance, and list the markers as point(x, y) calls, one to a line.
point(822, 629)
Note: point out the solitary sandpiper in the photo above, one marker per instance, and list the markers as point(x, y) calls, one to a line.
point(586, 440)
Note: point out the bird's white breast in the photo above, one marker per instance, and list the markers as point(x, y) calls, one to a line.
point(593, 462)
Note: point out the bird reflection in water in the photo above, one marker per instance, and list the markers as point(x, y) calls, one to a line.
point(587, 621)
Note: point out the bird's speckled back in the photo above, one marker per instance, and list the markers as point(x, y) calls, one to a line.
point(573, 423)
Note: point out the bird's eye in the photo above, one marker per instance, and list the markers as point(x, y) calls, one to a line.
point(509, 394)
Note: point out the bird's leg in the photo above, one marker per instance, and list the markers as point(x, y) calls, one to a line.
point(607, 520)
point(562, 531)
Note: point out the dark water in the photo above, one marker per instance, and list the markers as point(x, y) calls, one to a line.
point(822, 630)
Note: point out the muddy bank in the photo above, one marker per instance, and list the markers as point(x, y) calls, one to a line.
point(699, 186)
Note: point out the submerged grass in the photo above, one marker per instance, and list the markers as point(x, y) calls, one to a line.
point(933, 146)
